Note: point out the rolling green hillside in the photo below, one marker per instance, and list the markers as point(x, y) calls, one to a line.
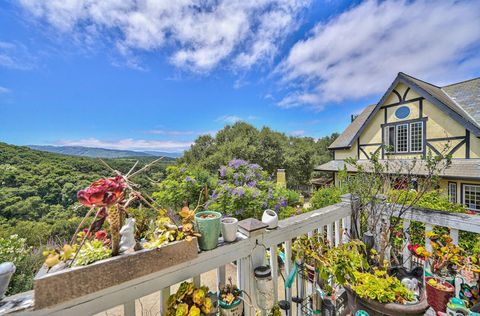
point(38, 189)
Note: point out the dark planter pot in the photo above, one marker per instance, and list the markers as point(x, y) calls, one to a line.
point(437, 298)
point(374, 308)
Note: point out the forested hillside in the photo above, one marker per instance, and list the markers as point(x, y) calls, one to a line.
point(270, 149)
point(38, 190)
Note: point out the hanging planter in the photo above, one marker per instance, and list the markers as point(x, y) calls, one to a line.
point(233, 309)
point(207, 223)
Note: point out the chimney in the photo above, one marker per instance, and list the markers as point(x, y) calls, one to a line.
point(281, 178)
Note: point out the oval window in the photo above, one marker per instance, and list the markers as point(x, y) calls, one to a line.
point(402, 112)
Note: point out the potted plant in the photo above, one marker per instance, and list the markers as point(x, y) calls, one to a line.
point(7, 269)
point(189, 300)
point(207, 223)
point(439, 292)
point(230, 300)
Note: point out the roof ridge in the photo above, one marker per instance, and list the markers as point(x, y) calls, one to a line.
point(463, 81)
point(402, 73)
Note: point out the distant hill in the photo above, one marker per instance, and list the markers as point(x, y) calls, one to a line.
point(101, 152)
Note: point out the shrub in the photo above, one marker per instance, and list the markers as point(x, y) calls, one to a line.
point(182, 184)
point(26, 260)
point(325, 197)
point(431, 200)
point(245, 190)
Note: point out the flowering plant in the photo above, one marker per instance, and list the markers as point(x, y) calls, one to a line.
point(245, 190)
point(103, 192)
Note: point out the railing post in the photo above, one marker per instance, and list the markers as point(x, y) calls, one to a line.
point(407, 257)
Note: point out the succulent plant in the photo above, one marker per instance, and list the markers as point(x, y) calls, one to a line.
point(189, 301)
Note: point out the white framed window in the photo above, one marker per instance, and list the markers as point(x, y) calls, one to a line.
point(452, 192)
point(416, 137)
point(401, 133)
point(471, 196)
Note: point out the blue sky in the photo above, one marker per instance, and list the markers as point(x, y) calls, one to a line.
point(156, 74)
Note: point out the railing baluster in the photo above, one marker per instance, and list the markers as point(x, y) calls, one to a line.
point(274, 267)
point(129, 308)
point(221, 277)
point(288, 269)
point(454, 235)
point(428, 247)
point(164, 295)
point(337, 232)
point(407, 257)
point(244, 281)
point(197, 281)
point(330, 233)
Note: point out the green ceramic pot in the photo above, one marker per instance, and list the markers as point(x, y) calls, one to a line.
point(207, 223)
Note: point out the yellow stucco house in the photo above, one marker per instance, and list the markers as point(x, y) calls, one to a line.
point(413, 117)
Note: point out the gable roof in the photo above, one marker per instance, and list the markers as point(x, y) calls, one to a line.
point(344, 140)
point(461, 101)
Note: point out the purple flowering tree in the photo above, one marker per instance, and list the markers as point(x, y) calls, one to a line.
point(245, 190)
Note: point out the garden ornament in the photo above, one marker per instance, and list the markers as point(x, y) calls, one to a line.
point(270, 218)
point(127, 233)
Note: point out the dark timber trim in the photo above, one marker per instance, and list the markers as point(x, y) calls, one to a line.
point(420, 109)
point(457, 147)
point(363, 151)
point(358, 148)
point(372, 144)
point(405, 93)
point(433, 149)
point(398, 95)
point(445, 138)
point(467, 144)
point(423, 119)
point(403, 102)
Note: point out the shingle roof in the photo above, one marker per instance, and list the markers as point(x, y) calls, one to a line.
point(459, 168)
point(344, 140)
point(467, 95)
point(460, 100)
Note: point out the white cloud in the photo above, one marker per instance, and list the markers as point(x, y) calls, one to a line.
point(299, 132)
point(179, 133)
point(359, 52)
point(199, 34)
point(4, 90)
point(130, 144)
point(15, 55)
point(229, 119)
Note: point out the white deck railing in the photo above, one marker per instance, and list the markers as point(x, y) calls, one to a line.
point(332, 220)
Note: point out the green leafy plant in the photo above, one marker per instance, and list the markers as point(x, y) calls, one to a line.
point(325, 196)
point(230, 293)
point(92, 250)
point(381, 287)
point(26, 259)
point(189, 301)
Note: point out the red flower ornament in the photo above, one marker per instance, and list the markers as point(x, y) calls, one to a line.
point(103, 192)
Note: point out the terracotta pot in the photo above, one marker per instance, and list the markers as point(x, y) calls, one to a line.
point(374, 308)
point(437, 298)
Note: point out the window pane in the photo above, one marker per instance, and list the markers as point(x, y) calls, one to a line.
point(416, 136)
point(472, 197)
point(452, 192)
point(402, 138)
